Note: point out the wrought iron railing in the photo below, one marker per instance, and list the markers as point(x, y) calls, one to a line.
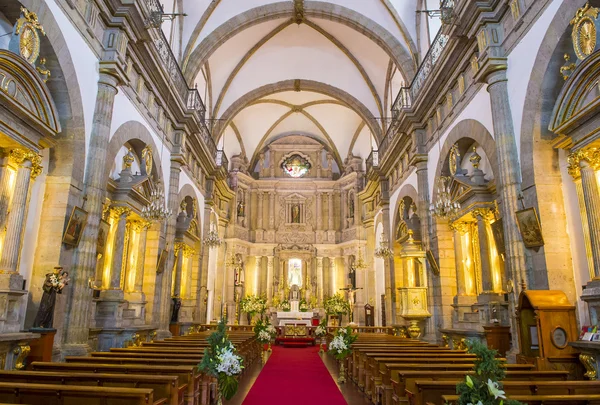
point(190, 97)
point(372, 160)
point(222, 160)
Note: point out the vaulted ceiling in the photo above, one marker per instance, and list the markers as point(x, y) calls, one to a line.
point(326, 69)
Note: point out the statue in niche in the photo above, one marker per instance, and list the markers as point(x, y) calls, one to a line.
point(352, 276)
point(295, 214)
point(351, 207)
point(294, 293)
point(176, 308)
point(241, 209)
point(53, 284)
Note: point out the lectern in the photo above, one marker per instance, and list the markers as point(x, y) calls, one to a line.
point(547, 323)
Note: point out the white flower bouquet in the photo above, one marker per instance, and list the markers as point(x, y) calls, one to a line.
point(336, 304)
point(286, 306)
point(253, 304)
point(340, 345)
point(320, 331)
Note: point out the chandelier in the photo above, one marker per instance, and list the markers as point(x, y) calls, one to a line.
point(212, 239)
point(444, 207)
point(383, 251)
point(360, 263)
point(156, 210)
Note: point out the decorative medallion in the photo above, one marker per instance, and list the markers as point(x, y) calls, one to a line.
point(454, 159)
point(584, 33)
point(296, 166)
point(26, 39)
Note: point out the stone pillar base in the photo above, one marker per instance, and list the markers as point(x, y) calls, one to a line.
point(259, 235)
point(186, 312)
point(109, 309)
point(135, 313)
point(11, 298)
point(331, 236)
point(591, 295)
point(75, 350)
point(269, 236)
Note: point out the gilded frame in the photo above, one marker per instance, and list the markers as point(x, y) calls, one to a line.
point(530, 228)
point(75, 226)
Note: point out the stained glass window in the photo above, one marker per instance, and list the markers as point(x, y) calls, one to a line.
point(296, 166)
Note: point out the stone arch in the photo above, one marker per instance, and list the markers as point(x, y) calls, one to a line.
point(407, 190)
point(138, 136)
point(468, 129)
point(194, 59)
point(188, 191)
point(540, 161)
point(292, 85)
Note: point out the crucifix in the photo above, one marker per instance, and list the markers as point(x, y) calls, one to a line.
point(351, 296)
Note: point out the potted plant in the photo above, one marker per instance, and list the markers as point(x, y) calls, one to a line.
point(222, 362)
point(340, 347)
point(303, 305)
point(484, 387)
point(286, 306)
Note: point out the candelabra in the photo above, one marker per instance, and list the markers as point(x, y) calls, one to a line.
point(212, 239)
point(383, 251)
point(444, 207)
point(156, 210)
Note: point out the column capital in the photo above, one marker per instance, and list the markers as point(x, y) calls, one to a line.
point(459, 226)
point(581, 158)
point(27, 158)
point(119, 212)
point(485, 214)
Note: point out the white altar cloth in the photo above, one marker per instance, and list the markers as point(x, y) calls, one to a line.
point(294, 317)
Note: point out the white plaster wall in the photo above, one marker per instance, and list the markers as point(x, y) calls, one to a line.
point(479, 109)
point(5, 30)
point(520, 66)
point(575, 232)
point(85, 63)
point(124, 110)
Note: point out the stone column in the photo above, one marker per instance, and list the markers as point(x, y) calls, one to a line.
point(487, 280)
point(333, 275)
point(84, 261)
point(141, 257)
point(259, 213)
point(319, 211)
point(270, 277)
point(4, 190)
point(320, 280)
point(119, 253)
point(15, 225)
point(271, 210)
point(331, 214)
point(357, 211)
point(344, 209)
point(164, 280)
point(584, 223)
point(179, 252)
point(259, 281)
point(592, 206)
point(461, 288)
point(509, 183)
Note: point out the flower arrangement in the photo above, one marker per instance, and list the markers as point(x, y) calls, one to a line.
point(336, 304)
point(321, 330)
point(303, 305)
point(286, 306)
point(264, 331)
point(484, 386)
point(253, 304)
point(221, 361)
point(340, 345)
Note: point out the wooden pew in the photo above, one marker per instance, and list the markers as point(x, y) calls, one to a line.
point(131, 360)
point(405, 379)
point(543, 399)
point(52, 394)
point(163, 386)
point(432, 391)
point(197, 387)
point(381, 387)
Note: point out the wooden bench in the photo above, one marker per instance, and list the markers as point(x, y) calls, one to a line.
point(163, 386)
point(432, 391)
point(405, 379)
point(197, 384)
point(131, 360)
point(543, 399)
point(56, 394)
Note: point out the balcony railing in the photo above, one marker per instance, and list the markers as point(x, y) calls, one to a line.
point(222, 160)
point(189, 97)
point(372, 160)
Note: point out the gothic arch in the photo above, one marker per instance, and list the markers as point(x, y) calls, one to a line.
point(468, 129)
point(138, 136)
point(194, 59)
point(292, 85)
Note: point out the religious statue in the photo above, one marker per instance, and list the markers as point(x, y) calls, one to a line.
point(53, 284)
point(295, 214)
point(241, 209)
point(147, 158)
point(294, 293)
point(351, 207)
point(176, 307)
point(352, 277)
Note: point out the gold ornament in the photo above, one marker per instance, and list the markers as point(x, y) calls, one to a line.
point(584, 31)
point(453, 161)
point(148, 159)
point(475, 158)
point(27, 28)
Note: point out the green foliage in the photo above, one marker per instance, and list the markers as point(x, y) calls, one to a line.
point(228, 385)
point(253, 304)
point(336, 304)
point(484, 387)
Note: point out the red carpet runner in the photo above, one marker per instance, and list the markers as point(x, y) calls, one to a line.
point(294, 376)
